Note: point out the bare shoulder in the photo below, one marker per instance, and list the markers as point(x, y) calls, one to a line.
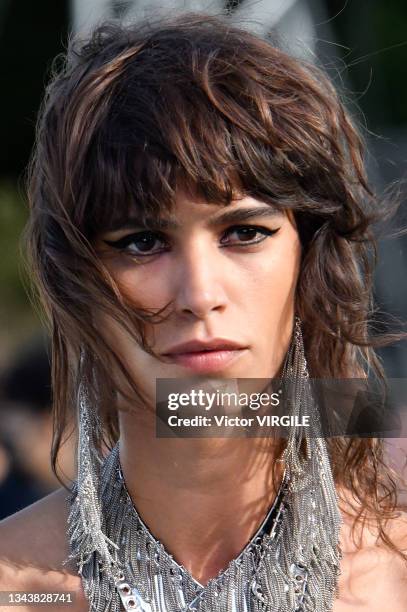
point(372, 575)
point(33, 552)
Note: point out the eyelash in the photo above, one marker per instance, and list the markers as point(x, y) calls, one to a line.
point(123, 243)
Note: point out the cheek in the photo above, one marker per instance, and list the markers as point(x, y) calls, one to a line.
point(127, 349)
point(271, 278)
point(145, 287)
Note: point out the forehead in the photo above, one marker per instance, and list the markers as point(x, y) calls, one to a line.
point(190, 209)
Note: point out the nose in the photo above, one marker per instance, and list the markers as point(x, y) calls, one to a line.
point(200, 280)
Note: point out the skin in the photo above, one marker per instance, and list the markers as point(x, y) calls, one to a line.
point(242, 293)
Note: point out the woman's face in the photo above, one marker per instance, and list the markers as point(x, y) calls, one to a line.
point(230, 273)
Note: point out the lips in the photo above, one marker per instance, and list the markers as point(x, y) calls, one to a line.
point(205, 356)
point(198, 346)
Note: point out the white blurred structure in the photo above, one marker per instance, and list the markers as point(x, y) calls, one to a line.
point(85, 14)
point(292, 18)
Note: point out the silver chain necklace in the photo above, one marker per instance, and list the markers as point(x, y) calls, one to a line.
point(163, 585)
point(180, 581)
point(290, 565)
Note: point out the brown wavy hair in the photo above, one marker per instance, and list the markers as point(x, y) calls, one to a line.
point(137, 110)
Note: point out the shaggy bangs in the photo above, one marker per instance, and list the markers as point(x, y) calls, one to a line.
point(137, 167)
point(177, 110)
point(182, 125)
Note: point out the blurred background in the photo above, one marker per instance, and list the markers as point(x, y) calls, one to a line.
point(363, 46)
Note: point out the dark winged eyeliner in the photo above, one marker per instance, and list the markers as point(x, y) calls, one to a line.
point(126, 240)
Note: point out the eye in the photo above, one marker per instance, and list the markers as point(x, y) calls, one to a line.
point(147, 242)
point(140, 243)
point(246, 235)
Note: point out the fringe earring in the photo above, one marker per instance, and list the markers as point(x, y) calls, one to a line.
point(311, 549)
point(85, 522)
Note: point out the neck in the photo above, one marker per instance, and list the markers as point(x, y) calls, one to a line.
point(203, 498)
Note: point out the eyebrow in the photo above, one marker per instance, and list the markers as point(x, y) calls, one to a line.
point(235, 215)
